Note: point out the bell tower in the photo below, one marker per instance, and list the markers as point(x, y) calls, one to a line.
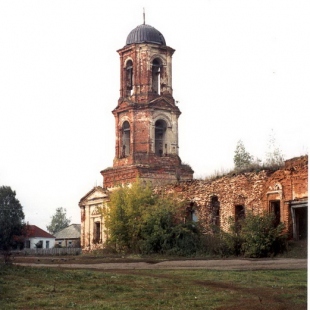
point(146, 116)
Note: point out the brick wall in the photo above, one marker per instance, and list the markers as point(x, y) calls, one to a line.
point(255, 191)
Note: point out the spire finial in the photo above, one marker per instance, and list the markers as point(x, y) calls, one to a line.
point(143, 16)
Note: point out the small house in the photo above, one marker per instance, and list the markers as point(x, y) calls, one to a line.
point(38, 238)
point(69, 237)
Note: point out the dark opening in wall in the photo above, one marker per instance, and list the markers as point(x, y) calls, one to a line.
point(129, 78)
point(97, 232)
point(191, 214)
point(239, 213)
point(274, 208)
point(125, 145)
point(160, 137)
point(215, 209)
point(302, 222)
point(156, 75)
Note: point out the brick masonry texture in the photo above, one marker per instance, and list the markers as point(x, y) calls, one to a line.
point(252, 190)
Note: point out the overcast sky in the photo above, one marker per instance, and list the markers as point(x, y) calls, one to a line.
point(240, 71)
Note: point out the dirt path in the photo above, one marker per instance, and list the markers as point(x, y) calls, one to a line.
point(229, 264)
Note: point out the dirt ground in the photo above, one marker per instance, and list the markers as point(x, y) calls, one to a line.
point(129, 264)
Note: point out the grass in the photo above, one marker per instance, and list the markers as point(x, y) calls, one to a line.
point(52, 288)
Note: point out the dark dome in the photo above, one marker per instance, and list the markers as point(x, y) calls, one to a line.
point(145, 34)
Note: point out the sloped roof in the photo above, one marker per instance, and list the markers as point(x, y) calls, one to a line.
point(71, 232)
point(35, 231)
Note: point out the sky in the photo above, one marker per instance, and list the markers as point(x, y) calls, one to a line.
point(241, 71)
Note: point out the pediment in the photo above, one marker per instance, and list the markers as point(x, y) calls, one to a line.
point(96, 193)
point(124, 103)
point(163, 102)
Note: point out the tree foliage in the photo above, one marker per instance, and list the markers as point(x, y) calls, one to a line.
point(11, 219)
point(59, 221)
point(242, 158)
point(139, 221)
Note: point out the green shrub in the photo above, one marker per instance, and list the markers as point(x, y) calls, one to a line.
point(260, 237)
point(139, 221)
point(254, 236)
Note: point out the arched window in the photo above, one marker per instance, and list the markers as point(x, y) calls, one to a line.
point(160, 133)
point(129, 78)
point(125, 147)
point(156, 74)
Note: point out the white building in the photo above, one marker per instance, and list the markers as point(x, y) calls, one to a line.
point(38, 238)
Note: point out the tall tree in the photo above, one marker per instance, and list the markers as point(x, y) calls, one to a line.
point(242, 158)
point(11, 219)
point(59, 221)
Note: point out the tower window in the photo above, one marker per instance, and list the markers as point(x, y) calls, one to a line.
point(160, 137)
point(156, 75)
point(129, 78)
point(125, 141)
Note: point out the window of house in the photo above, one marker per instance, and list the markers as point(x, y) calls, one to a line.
point(160, 137)
point(274, 208)
point(27, 245)
point(47, 244)
point(125, 151)
point(70, 244)
point(156, 74)
point(39, 244)
point(129, 78)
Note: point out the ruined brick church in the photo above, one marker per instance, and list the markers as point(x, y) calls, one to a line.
point(146, 147)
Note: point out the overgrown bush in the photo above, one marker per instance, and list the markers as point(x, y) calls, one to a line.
point(139, 221)
point(254, 236)
point(261, 237)
point(221, 243)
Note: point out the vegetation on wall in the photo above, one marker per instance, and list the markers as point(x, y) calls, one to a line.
point(242, 158)
point(274, 155)
point(245, 162)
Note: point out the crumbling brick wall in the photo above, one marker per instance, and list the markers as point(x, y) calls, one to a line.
point(215, 202)
point(254, 191)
